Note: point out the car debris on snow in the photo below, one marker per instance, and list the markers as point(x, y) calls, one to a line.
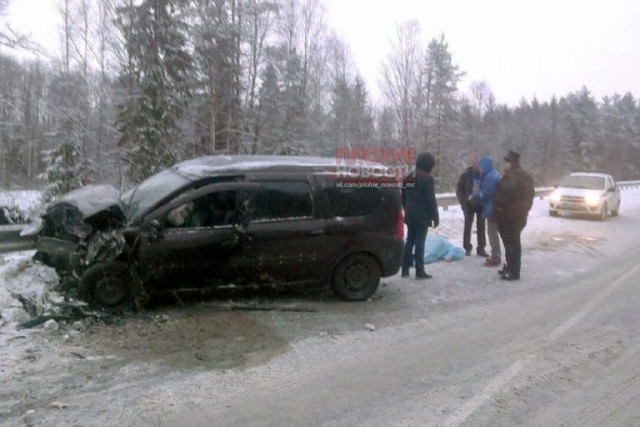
point(59, 405)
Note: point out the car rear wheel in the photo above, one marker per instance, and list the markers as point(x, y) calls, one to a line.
point(107, 286)
point(356, 278)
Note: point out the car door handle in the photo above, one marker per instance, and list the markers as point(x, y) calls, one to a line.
point(317, 232)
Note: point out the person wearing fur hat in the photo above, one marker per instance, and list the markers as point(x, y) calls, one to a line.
point(512, 201)
point(420, 213)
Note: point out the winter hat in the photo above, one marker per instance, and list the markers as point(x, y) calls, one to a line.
point(486, 164)
point(425, 161)
point(512, 157)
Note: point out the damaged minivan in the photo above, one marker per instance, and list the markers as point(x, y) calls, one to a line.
point(225, 220)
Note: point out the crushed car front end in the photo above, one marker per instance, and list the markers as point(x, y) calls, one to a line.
point(81, 228)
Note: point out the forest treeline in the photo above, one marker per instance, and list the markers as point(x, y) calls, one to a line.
point(140, 84)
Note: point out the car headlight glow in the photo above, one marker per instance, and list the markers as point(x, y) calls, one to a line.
point(592, 198)
point(555, 196)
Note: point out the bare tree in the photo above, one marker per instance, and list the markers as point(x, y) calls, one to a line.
point(481, 97)
point(400, 78)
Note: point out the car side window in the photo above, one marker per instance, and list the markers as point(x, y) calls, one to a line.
point(279, 200)
point(352, 201)
point(217, 209)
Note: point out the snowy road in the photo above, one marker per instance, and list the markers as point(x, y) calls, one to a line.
point(562, 347)
point(559, 348)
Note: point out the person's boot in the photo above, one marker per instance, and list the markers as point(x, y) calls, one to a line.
point(405, 273)
point(490, 262)
point(507, 275)
point(421, 275)
point(504, 269)
point(482, 253)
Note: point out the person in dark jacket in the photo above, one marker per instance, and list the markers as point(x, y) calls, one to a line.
point(470, 199)
point(512, 202)
point(420, 213)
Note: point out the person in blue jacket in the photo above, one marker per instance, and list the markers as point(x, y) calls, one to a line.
point(490, 179)
point(420, 213)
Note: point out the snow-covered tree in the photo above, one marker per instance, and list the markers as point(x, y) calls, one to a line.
point(400, 79)
point(156, 76)
point(270, 130)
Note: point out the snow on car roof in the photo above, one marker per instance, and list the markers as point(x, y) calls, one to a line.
point(214, 165)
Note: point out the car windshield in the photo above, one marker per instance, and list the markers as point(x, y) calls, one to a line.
point(582, 181)
point(151, 191)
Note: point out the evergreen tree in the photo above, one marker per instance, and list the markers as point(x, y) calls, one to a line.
point(443, 132)
point(149, 119)
point(270, 131)
point(215, 35)
point(68, 166)
point(362, 122)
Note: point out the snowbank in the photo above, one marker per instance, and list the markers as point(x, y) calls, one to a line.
point(20, 278)
point(27, 202)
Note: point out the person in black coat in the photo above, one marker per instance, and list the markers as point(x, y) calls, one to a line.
point(470, 199)
point(512, 201)
point(420, 213)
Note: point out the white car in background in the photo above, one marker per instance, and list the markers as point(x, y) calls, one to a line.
point(586, 194)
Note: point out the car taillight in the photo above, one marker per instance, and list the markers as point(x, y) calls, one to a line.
point(400, 225)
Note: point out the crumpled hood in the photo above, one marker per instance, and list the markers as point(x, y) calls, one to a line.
point(80, 227)
point(91, 199)
point(97, 206)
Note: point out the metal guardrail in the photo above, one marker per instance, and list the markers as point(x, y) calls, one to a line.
point(450, 199)
point(11, 241)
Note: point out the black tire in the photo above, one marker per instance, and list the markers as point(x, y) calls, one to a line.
point(615, 212)
point(356, 278)
point(107, 286)
point(603, 213)
point(553, 213)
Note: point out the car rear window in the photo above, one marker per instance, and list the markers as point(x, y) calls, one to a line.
point(278, 200)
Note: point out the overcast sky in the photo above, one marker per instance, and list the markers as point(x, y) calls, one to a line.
point(521, 48)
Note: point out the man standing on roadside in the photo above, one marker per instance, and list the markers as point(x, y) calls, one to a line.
point(469, 197)
point(513, 199)
point(420, 213)
point(490, 179)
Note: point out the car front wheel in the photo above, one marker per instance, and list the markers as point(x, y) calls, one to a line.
point(603, 213)
point(356, 278)
point(107, 286)
point(614, 212)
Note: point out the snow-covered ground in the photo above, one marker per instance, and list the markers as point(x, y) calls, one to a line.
point(42, 367)
point(27, 202)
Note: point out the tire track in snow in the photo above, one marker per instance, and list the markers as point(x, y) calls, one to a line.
point(497, 384)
